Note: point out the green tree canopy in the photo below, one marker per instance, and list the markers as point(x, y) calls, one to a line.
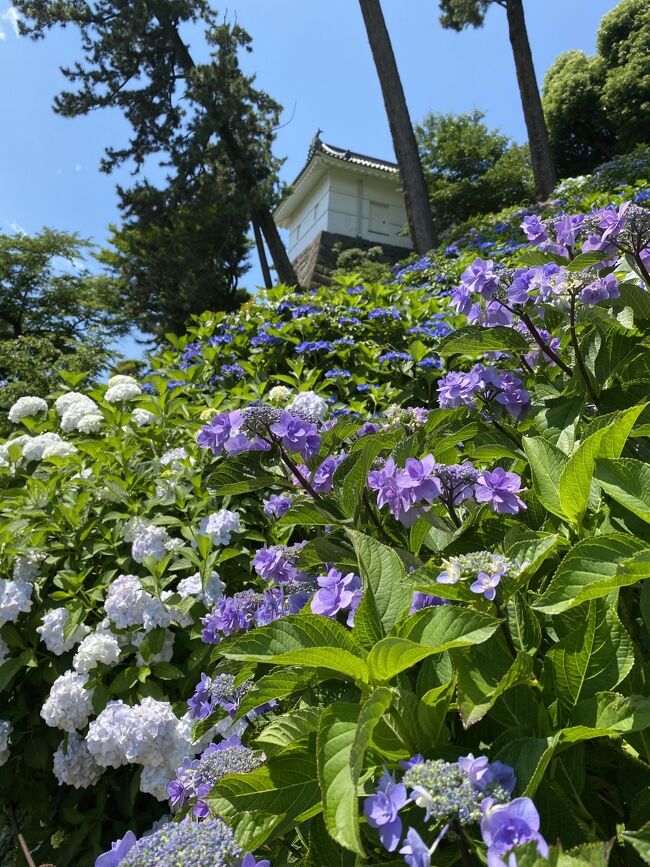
point(54, 312)
point(184, 113)
point(459, 14)
point(180, 251)
point(599, 106)
point(470, 169)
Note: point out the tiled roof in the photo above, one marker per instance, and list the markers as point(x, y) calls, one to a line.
point(351, 157)
point(345, 156)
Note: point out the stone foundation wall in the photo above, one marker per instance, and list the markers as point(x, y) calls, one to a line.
point(314, 265)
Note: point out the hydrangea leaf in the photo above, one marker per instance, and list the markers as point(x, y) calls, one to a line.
point(337, 734)
point(301, 639)
point(546, 465)
point(475, 340)
point(386, 593)
point(593, 568)
point(595, 656)
point(628, 482)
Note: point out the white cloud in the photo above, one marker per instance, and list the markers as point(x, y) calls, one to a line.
point(11, 17)
point(16, 228)
point(78, 168)
point(3, 35)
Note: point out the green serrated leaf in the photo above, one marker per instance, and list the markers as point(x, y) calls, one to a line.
point(595, 656)
point(386, 593)
point(336, 737)
point(546, 465)
point(475, 340)
point(628, 482)
point(593, 568)
point(301, 639)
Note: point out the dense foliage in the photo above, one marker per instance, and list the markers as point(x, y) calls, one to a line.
point(598, 106)
point(351, 576)
point(470, 169)
point(55, 313)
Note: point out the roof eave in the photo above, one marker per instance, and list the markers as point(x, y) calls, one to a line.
point(285, 210)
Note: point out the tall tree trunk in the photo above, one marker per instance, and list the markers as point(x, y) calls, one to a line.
point(540, 149)
point(418, 208)
point(282, 264)
point(261, 215)
point(261, 253)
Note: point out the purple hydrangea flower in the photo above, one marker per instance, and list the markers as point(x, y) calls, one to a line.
point(297, 435)
point(119, 850)
point(513, 396)
point(336, 593)
point(425, 600)
point(382, 810)
point(500, 488)
point(249, 861)
point(484, 774)
point(480, 277)
point(213, 436)
point(567, 229)
point(506, 826)
point(458, 389)
point(277, 505)
point(271, 563)
point(486, 584)
point(415, 851)
point(600, 290)
point(535, 229)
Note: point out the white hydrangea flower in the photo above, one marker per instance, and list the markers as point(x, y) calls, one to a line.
point(90, 423)
point(51, 632)
point(20, 441)
point(68, 399)
point(26, 566)
point(132, 527)
point(122, 388)
point(4, 650)
point(69, 704)
point(75, 409)
point(47, 445)
point(155, 614)
point(26, 407)
point(147, 734)
point(15, 599)
point(150, 541)
point(108, 733)
point(219, 526)
point(192, 586)
point(73, 765)
point(96, 647)
point(279, 394)
point(183, 619)
point(126, 601)
point(173, 457)
point(5, 734)
point(154, 779)
point(309, 403)
point(142, 417)
point(121, 379)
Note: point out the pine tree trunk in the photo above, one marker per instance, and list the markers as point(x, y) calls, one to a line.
point(260, 215)
point(540, 149)
point(282, 264)
point(418, 208)
point(261, 253)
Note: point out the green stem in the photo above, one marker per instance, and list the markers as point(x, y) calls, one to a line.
point(579, 359)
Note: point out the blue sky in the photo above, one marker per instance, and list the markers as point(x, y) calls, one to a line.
point(312, 57)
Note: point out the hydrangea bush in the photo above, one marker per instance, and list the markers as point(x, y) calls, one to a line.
point(353, 576)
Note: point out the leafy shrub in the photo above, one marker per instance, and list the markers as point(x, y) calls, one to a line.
point(352, 576)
